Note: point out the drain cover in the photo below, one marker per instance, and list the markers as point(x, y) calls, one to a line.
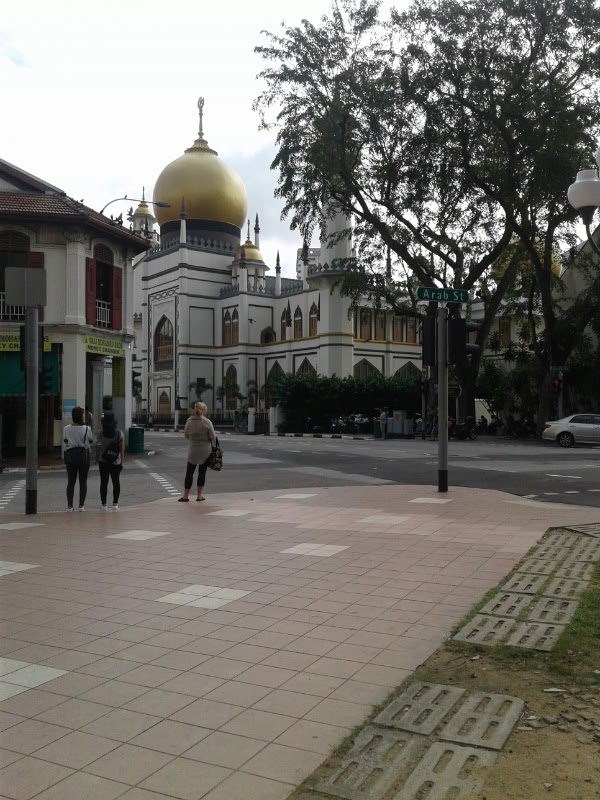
point(506, 604)
point(524, 583)
point(372, 766)
point(538, 566)
point(577, 571)
point(565, 588)
point(485, 630)
point(554, 548)
point(484, 720)
point(536, 635)
point(553, 610)
point(446, 771)
point(588, 551)
point(591, 529)
point(420, 708)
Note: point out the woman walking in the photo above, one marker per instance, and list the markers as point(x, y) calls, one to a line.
point(201, 434)
point(111, 451)
point(78, 439)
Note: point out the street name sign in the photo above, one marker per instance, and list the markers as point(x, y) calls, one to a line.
point(432, 293)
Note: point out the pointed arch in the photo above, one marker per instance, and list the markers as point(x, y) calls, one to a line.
point(235, 327)
point(283, 325)
point(313, 317)
point(275, 372)
point(408, 371)
point(380, 325)
point(306, 368)
point(364, 323)
point(164, 403)
point(163, 345)
point(297, 323)
point(268, 335)
point(364, 369)
point(231, 388)
point(226, 329)
point(103, 253)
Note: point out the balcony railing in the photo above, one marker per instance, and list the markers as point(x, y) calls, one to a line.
point(10, 313)
point(102, 314)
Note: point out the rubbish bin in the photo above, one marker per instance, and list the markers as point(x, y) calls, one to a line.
point(136, 439)
point(376, 429)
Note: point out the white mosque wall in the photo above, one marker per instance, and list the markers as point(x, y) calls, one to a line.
point(202, 324)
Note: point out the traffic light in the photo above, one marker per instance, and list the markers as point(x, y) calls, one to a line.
point(556, 386)
point(46, 381)
point(428, 341)
point(458, 345)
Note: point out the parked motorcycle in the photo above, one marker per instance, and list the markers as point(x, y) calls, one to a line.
point(463, 429)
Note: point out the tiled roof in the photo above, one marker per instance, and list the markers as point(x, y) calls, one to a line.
point(17, 206)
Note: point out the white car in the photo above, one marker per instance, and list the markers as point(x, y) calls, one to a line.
point(576, 429)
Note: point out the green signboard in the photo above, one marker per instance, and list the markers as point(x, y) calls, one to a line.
point(12, 379)
point(432, 293)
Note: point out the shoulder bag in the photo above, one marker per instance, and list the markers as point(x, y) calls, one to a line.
point(215, 459)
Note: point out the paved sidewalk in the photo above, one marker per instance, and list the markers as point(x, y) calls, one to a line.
point(221, 650)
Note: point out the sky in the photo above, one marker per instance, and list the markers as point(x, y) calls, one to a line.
point(100, 97)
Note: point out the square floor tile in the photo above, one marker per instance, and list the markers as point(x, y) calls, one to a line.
point(229, 594)
point(228, 512)
point(33, 675)
point(314, 736)
point(8, 665)
point(121, 724)
point(16, 566)
point(241, 786)
point(200, 589)
point(77, 749)
point(186, 779)
point(28, 776)
point(238, 694)
point(432, 500)
point(30, 735)
point(128, 764)
point(177, 599)
point(74, 713)
point(291, 704)
point(139, 536)
point(258, 724)
point(171, 737)
point(82, 786)
point(281, 763)
point(114, 693)
point(294, 496)
point(208, 602)
point(207, 714)
point(159, 702)
point(386, 519)
point(225, 750)
point(16, 526)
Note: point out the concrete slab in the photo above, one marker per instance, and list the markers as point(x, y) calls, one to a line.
point(484, 720)
point(372, 765)
point(555, 548)
point(587, 551)
point(535, 636)
point(539, 566)
point(446, 771)
point(565, 588)
point(485, 630)
point(421, 708)
point(552, 610)
point(525, 583)
point(507, 604)
point(576, 571)
point(591, 529)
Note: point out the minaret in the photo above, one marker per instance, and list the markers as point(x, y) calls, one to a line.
point(182, 233)
point(243, 272)
point(257, 234)
point(277, 276)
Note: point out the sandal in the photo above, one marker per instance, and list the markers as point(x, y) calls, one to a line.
point(200, 499)
point(184, 500)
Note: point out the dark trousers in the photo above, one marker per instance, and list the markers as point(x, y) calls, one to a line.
point(189, 474)
point(112, 471)
point(75, 471)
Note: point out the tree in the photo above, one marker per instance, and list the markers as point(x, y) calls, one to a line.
point(199, 387)
point(445, 132)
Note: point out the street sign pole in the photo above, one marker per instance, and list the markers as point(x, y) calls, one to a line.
point(31, 461)
point(442, 316)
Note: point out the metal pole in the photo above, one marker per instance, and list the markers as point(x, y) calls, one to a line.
point(31, 462)
point(560, 396)
point(442, 357)
point(424, 388)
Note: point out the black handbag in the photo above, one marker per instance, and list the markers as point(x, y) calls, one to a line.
point(77, 456)
point(215, 459)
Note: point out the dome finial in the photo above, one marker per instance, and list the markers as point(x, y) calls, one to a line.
point(248, 230)
point(201, 113)
point(143, 194)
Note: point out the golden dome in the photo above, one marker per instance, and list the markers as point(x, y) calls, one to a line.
point(143, 209)
point(251, 250)
point(211, 189)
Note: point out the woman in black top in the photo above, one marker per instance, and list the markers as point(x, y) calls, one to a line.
point(78, 438)
point(111, 451)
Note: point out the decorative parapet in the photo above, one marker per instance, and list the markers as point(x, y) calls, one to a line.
point(229, 291)
point(137, 318)
point(170, 243)
point(316, 270)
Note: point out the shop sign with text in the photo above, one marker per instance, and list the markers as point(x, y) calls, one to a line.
point(103, 346)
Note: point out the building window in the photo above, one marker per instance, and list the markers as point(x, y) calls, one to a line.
point(411, 330)
point(364, 369)
point(365, 324)
point(235, 327)
point(14, 252)
point(273, 376)
point(231, 388)
point(380, 326)
point(312, 320)
point(504, 331)
point(163, 346)
point(297, 323)
point(284, 326)
point(409, 372)
point(398, 325)
point(226, 329)
point(268, 336)
point(306, 368)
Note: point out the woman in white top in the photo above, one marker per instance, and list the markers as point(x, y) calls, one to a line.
point(201, 434)
point(78, 438)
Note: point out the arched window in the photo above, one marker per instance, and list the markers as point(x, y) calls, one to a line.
point(235, 327)
point(226, 329)
point(104, 254)
point(268, 336)
point(312, 320)
point(409, 371)
point(164, 404)
point(306, 368)
point(398, 327)
point(283, 325)
point(273, 375)
point(411, 330)
point(163, 346)
point(365, 324)
point(380, 326)
point(231, 388)
point(14, 252)
point(297, 323)
point(364, 369)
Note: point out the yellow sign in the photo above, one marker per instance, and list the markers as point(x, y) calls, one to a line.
point(103, 346)
point(11, 342)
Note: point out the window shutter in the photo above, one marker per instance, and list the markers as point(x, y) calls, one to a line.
point(117, 299)
point(90, 291)
point(36, 261)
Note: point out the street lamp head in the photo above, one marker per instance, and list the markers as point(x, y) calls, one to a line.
point(584, 194)
point(161, 204)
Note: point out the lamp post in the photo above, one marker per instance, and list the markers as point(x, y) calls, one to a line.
point(584, 196)
point(159, 203)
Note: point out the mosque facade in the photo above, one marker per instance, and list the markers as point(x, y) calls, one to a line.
point(210, 312)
